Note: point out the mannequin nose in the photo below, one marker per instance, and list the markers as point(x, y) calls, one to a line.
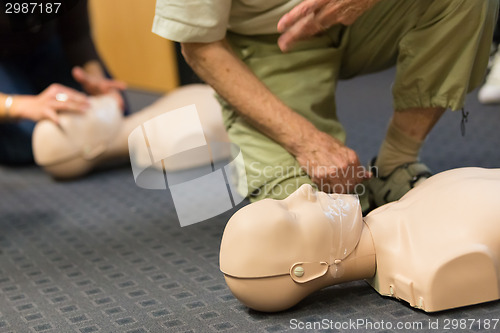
point(306, 192)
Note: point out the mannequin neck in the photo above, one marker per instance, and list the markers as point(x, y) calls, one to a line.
point(360, 264)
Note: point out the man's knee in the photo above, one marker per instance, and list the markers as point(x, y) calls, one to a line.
point(467, 12)
point(280, 189)
point(275, 181)
point(481, 11)
point(470, 5)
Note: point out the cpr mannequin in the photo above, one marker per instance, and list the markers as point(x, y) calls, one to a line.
point(82, 142)
point(436, 248)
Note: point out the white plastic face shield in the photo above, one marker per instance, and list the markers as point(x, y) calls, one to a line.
point(345, 223)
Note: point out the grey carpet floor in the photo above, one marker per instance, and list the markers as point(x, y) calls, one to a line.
point(102, 255)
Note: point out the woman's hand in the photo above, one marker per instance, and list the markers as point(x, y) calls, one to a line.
point(46, 105)
point(93, 81)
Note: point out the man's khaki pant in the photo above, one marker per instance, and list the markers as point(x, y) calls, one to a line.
point(440, 49)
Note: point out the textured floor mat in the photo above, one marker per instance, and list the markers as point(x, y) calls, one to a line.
point(102, 255)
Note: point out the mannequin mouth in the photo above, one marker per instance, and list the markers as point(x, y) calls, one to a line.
point(343, 214)
point(331, 204)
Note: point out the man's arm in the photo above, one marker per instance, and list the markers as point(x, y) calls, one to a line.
point(325, 159)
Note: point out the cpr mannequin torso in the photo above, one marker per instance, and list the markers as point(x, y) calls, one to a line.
point(83, 142)
point(436, 248)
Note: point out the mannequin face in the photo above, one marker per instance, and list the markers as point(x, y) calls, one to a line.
point(307, 226)
point(264, 240)
point(306, 219)
point(307, 205)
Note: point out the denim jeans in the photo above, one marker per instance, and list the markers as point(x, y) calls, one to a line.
point(29, 75)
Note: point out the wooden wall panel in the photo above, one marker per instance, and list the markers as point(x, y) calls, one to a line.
point(123, 37)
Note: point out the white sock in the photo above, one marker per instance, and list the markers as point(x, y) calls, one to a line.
point(397, 149)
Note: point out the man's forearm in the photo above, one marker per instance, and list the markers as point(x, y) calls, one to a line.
point(217, 65)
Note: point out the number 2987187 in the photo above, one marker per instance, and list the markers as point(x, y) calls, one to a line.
point(32, 7)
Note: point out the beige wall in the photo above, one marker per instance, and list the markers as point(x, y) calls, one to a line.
point(123, 37)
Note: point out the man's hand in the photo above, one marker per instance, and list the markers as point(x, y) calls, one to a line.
point(331, 165)
point(49, 103)
point(315, 16)
point(95, 83)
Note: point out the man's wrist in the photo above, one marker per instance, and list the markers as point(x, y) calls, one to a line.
point(300, 135)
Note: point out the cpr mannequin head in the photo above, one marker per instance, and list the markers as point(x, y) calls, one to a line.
point(71, 148)
point(276, 252)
